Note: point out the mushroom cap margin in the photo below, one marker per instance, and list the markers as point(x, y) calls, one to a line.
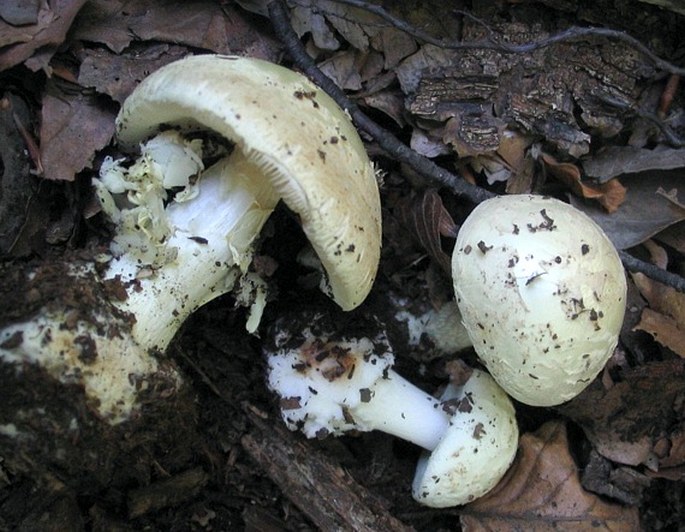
point(304, 143)
point(476, 450)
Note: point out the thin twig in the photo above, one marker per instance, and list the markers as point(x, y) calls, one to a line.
point(652, 271)
point(395, 148)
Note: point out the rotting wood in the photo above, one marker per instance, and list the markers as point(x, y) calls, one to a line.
point(165, 493)
point(321, 489)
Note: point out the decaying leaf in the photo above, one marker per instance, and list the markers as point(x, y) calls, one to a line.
point(665, 317)
point(609, 194)
point(663, 329)
point(542, 492)
point(614, 161)
point(625, 422)
point(74, 126)
point(644, 213)
point(427, 219)
point(118, 74)
point(19, 43)
point(511, 162)
point(205, 25)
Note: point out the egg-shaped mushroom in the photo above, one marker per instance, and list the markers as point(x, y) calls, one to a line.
point(542, 293)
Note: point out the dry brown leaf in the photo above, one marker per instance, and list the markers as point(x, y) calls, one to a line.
point(663, 329)
point(53, 20)
point(214, 26)
point(116, 75)
point(662, 298)
point(426, 217)
point(542, 492)
point(609, 195)
point(625, 422)
point(614, 161)
point(665, 319)
point(657, 254)
point(343, 68)
point(644, 213)
point(73, 127)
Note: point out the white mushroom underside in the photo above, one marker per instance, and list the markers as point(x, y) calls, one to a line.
point(303, 143)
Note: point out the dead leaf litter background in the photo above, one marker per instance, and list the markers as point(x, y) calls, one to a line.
point(591, 120)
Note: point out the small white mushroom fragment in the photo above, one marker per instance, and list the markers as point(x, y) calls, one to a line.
point(331, 385)
point(542, 293)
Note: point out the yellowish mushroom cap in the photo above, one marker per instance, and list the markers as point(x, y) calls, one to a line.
point(302, 142)
point(542, 293)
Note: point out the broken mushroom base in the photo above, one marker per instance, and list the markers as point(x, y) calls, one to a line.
point(57, 418)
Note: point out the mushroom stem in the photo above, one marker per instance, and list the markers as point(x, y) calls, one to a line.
point(401, 409)
point(213, 231)
point(330, 385)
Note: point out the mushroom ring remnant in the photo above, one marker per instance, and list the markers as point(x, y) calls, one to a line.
point(542, 294)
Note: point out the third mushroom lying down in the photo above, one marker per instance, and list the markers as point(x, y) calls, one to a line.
point(331, 383)
point(542, 294)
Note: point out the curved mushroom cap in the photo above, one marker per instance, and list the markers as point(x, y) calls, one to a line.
point(477, 449)
point(304, 144)
point(542, 293)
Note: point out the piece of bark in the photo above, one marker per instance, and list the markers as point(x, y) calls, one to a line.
point(165, 493)
point(558, 92)
point(321, 489)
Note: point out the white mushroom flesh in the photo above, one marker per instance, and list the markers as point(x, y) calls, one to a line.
point(542, 293)
point(175, 259)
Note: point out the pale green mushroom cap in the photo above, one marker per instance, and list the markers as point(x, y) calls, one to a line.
point(542, 294)
point(475, 451)
point(302, 142)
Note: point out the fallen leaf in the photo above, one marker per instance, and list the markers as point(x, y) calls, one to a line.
point(673, 236)
point(614, 161)
point(609, 195)
point(643, 214)
point(18, 43)
point(622, 483)
point(662, 298)
point(343, 68)
point(625, 421)
point(116, 75)
point(663, 329)
point(665, 317)
point(207, 25)
point(73, 127)
point(542, 492)
point(427, 219)
point(20, 13)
